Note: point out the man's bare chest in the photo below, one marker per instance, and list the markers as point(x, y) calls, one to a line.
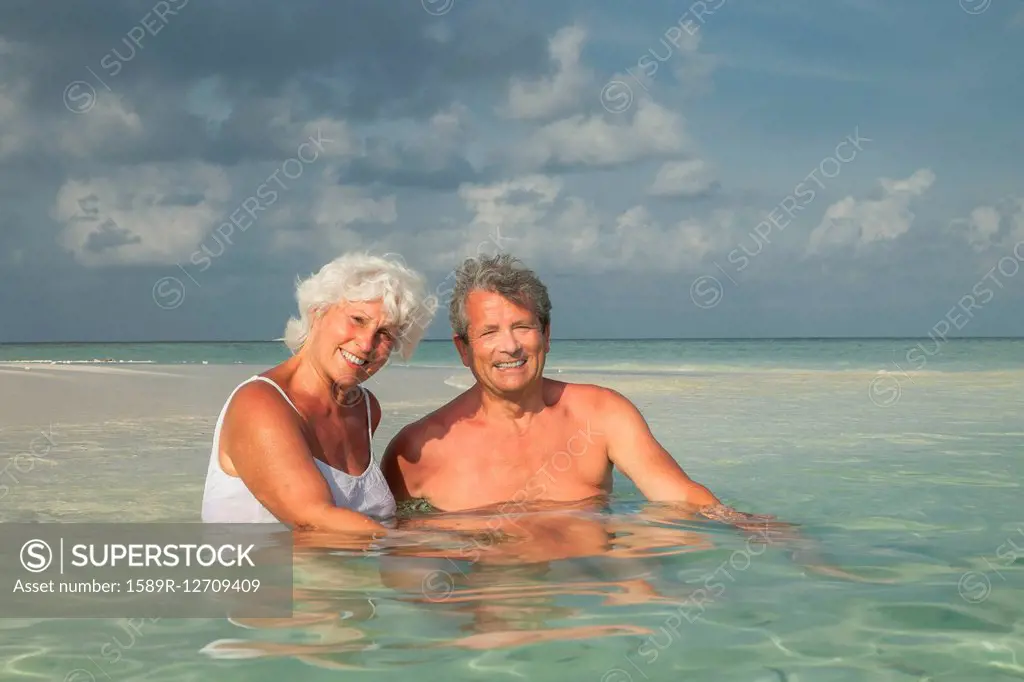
point(476, 469)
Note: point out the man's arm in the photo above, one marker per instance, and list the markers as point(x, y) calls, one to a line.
point(634, 450)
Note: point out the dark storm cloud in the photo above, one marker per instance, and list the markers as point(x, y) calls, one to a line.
point(383, 52)
point(356, 61)
point(101, 86)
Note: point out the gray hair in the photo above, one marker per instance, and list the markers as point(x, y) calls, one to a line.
point(362, 277)
point(501, 274)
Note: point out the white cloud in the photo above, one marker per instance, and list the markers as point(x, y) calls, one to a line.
point(1001, 225)
point(341, 206)
point(333, 212)
point(497, 204)
point(143, 215)
point(541, 225)
point(852, 222)
point(104, 120)
point(450, 124)
point(983, 225)
point(511, 208)
point(425, 147)
point(552, 95)
point(108, 120)
point(446, 134)
point(682, 179)
point(602, 140)
point(647, 243)
point(336, 212)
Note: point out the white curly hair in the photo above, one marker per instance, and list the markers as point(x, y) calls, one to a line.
point(363, 277)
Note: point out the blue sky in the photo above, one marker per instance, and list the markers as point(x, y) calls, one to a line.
point(652, 162)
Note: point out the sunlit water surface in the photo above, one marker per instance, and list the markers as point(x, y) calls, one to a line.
point(914, 493)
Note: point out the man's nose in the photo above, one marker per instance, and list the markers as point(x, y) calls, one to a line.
point(507, 342)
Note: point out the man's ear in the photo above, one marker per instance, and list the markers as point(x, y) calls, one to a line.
point(462, 347)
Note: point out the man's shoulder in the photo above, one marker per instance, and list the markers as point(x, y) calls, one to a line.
point(411, 440)
point(593, 398)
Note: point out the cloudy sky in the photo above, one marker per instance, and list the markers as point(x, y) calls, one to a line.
point(727, 168)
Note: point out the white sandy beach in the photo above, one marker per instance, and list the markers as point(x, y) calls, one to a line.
point(37, 394)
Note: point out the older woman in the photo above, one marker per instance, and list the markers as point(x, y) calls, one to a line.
point(293, 444)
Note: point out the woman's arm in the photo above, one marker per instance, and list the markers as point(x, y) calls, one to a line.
point(268, 452)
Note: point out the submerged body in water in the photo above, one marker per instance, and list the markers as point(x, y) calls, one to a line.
point(537, 532)
point(492, 580)
point(504, 578)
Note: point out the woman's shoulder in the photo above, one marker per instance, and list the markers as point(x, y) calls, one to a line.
point(261, 402)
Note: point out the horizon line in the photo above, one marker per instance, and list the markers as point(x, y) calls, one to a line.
point(561, 338)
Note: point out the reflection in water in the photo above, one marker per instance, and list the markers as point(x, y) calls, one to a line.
point(321, 632)
point(488, 579)
point(481, 579)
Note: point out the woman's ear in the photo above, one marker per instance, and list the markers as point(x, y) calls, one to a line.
point(315, 313)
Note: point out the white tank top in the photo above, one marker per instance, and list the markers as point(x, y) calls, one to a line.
point(226, 499)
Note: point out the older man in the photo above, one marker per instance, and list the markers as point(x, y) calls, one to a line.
point(517, 438)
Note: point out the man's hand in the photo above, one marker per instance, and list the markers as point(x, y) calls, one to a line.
point(763, 525)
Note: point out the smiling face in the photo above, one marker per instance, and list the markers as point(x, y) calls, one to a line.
point(506, 346)
point(352, 340)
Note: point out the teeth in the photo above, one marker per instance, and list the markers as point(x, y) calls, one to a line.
point(351, 358)
point(509, 365)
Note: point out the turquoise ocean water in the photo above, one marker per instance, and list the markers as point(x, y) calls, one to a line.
point(669, 355)
point(900, 461)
